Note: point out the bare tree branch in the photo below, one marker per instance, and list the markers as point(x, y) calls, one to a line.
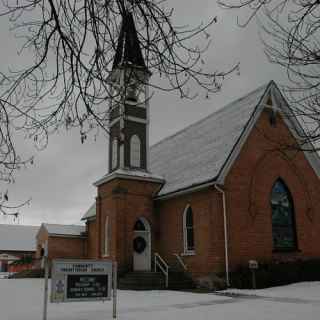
point(291, 38)
point(73, 44)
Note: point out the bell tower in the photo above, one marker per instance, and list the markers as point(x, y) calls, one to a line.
point(129, 108)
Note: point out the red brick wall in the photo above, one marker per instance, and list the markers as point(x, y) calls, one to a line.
point(92, 245)
point(248, 186)
point(62, 247)
point(208, 230)
point(124, 201)
point(20, 267)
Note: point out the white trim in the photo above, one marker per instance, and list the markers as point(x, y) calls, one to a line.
point(147, 234)
point(92, 218)
point(186, 250)
point(147, 107)
point(130, 175)
point(115, 120)
point(55, 235)
point(225, 229)
point(188, 253)
point(185, 191)
point(135, 103)
point(136, 119)
point(106, 238)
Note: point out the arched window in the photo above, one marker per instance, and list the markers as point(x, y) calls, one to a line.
point(188, 235)
point(106, 237)
point(114, 153)
point(135, 151)
point(283, 222)
point(139, 226)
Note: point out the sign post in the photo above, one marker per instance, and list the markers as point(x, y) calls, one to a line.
point(253, 266)
point(46, 276)
point(114, 290)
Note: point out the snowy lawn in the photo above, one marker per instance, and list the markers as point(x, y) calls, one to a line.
point(302, 290)
point(21, 299)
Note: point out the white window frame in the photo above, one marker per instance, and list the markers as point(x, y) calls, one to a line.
point(186, 250)
point(114, 160)
point(106, 238)
point(135, 151)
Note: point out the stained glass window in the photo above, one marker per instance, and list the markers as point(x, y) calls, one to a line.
point(283, 222)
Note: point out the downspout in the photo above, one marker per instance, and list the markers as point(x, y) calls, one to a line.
point(226, 252)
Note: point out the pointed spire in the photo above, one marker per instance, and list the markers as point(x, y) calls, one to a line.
point(128, 50)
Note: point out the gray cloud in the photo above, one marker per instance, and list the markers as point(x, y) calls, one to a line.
point(60, 182)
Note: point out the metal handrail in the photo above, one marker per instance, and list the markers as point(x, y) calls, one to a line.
point(163, 266)
point(184, 266)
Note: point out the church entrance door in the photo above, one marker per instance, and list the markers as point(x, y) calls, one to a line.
point(142, 246)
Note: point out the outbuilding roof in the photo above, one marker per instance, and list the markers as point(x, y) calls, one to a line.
point(18, 237)
point(64, 230)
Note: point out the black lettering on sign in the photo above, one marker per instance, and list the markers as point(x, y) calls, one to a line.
point(87, 286)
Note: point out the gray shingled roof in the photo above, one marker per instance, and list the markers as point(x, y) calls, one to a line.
point(64, 230)
point(18, 237)
point(196, 154)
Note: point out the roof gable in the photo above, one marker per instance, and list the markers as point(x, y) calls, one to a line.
point(90, 213)
point(205, 151)
point(197, 154)
point(296, 129)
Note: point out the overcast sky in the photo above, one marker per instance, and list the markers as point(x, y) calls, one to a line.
point(60, 182)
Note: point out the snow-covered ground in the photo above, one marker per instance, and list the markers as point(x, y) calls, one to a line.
point(23, 300)
point(302, 290)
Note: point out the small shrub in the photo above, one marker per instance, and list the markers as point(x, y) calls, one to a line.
point(277, 273)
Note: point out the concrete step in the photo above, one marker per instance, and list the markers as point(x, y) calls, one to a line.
point(155, 281)
point(142, 281)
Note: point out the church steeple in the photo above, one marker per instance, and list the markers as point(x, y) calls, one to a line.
point(129, 109)
point(128, 48)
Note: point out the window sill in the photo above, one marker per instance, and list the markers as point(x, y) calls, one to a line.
point(105, 255)
point(293, 250)
point(188, 253)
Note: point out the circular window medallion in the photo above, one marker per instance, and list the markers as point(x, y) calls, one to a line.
point(139, 244)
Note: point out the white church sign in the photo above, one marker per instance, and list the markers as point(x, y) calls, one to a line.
point(81, 280)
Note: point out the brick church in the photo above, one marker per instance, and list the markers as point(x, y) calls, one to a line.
point(223, 191)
